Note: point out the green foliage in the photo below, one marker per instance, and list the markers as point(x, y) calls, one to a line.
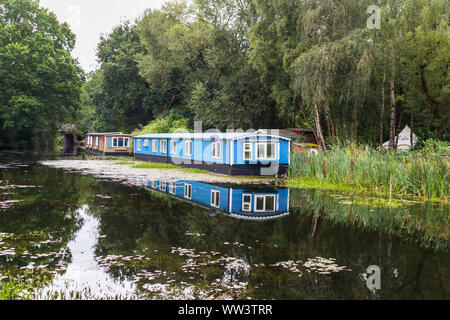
point(422, 173)
point(273, 64)
point(155, 166)
point(121, 98)
point(39, 80)
point(172, 123)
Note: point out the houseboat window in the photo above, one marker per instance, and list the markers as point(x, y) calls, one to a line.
point(188, 191)
point(188, 148)
point(215, 198)
point(172, 188)
point(266, 151)
point(259, 203)
point(155, 146)
point(247, 202)
point(126, 142)
point(216, 150)
point(115, 143)
point(139, 145)
point(146, 143)
point(96, 141)
point(163, 146)
point(270, 203)
point(154, 183)
point(265, 203)
point(248, 151)
point(163, 186)
point(173, 147)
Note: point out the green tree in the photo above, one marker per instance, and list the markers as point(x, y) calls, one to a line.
point(39, 80)
point(122, 99)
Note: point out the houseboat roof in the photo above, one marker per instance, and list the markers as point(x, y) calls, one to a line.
point(108, 134)
point(210, 135)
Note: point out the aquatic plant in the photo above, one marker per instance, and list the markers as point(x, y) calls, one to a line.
point(423, 173)
point(425, 224)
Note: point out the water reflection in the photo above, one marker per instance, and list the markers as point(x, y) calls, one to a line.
point(114, 239)
point(83, 273)
point(237, 201)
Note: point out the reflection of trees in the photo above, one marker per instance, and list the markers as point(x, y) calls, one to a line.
point(425, 223)
point(44, 213)
point(134, 219)
point(364, 236)
point(158, 222)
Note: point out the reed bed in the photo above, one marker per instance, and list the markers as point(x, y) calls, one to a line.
point(423, 173)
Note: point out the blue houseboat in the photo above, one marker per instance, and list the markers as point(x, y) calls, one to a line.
point(235, 201)
point(244, 154)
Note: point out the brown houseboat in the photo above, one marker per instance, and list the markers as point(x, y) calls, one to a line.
point(109, 144)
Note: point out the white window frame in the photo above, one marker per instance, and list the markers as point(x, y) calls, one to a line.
point(146, 142)
point(96, 141)
point(172, 188)
point(264, 157)
point(259, 196)
point(215, 198)
point(190, 149)
point(163, 186)
point(246, 144)
point(138, 144)
point(216, 147)
point(188, 186)
point(173, 146)
point(154, 184)
point(244, 203)
point(154, 145)
point(115, 143)
point(163, 146)
point(126, 142)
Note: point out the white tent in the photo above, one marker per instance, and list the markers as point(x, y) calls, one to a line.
point(404, 140)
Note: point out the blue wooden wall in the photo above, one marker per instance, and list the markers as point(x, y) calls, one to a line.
point(202, 150)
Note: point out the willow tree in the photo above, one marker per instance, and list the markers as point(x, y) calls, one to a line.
point(333, 81)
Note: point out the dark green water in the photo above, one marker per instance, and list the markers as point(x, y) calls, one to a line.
point(82, 232)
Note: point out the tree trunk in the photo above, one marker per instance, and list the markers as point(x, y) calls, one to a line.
point(411, 134)
point(392, 117)
point(328, 120)
point(319, 127)
point(307, 120)
point(383, 102)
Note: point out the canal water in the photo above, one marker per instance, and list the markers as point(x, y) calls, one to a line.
point(193, 240)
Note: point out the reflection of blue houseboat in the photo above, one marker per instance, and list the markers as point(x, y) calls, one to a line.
point(239, 202)
point(244, 154)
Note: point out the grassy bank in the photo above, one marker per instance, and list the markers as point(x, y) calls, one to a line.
point(423, 173)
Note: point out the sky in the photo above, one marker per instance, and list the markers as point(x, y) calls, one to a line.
point(91, 18)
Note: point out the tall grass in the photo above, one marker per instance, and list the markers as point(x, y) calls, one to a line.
point(423, 173)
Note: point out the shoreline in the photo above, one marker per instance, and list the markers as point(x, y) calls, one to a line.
point(119, 171)
point(125, 173)
point(310, 183)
